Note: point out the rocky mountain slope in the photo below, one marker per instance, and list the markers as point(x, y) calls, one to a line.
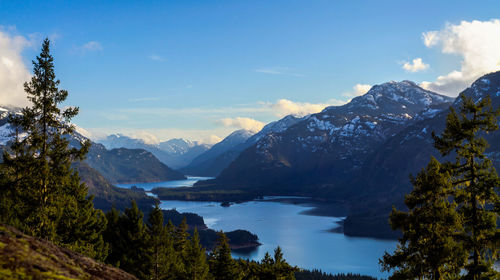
point(25, 257)
point(175, 153)
point(384, 178)
point(211, 163)
point(129, 165)
point(323, 150)
point(218, 157)
point(361, 153)
point(107, 195)
point(116, 165)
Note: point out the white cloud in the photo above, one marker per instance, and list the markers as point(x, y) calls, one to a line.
point(91, 46)
point(477, 43)
point(284, 107)
point(211, 139)
point(278, 71)
point(13, 71)
point(357, 90)
point(156, 57)
point(145, 136)
point(242, 123)
point(415, 66)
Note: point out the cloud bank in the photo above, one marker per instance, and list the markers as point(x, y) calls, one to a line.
point(13, 71)
point(284, 107)
point(242, 123)
point(357, 90)
point(416, 65)
point(478, 45)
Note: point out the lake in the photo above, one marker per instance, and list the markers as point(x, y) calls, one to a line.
point(307, 241)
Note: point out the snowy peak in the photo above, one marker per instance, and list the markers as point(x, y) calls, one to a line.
point(115, 141)
point(177, 146)
point(358, 126)
point(275, 127)
point(488, 84)
point(396, 97)
point(232, 140)
point(238, 136)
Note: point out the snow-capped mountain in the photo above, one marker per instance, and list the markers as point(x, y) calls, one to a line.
point(179, 146)
point(116, 165)
point(175, 153)
point(214, 160)
point(410, 150)
point(325, 148)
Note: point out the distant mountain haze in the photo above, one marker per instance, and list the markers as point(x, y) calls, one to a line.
point(175, 153)
point(212, 162)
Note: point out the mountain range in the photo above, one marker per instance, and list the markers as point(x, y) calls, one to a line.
point(324, 149)
point(175, 153)
point(217, 158)
point(360, 153)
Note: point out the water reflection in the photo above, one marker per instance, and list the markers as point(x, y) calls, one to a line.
point(307, 241)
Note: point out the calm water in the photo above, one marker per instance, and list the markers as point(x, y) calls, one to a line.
point(189, 182)
point(306, 240)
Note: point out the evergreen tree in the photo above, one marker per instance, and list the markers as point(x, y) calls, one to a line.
point(181, 236)
point(195, 259)
point(275, 268)
point(222, 265)
point(112, 237)
point(161, 242)
point(427, 249)
point(135, 253)
point(475, 182)
point(282, 270)
point(48, 199)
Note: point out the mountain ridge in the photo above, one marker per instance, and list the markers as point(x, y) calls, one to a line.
point(175, 153)
point(332, 143)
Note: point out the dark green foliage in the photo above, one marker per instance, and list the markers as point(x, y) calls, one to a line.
point(129, 165)
point(107, 196)
point(274, 268)
point(112, 237)
point(205, 193)
point(237, 238)
point(427, 248)
point(129, 241)
point(181, 237)
point(159, 251)
point(195, 260)
point(450, 231)
point(222, 265)
point(475, 181)
point(192, 219)
point(163, 256)
point(43, 193)
point(319, 275)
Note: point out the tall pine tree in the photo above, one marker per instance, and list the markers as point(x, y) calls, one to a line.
point(135, 252)
point(427, 249)
point(195, 259)
point(161, 242)
point(49, 200)
point(222, 265)
point(475, 181)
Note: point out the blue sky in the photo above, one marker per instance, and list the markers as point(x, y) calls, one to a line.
point(201, 69)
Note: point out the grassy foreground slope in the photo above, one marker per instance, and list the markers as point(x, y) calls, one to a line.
point(26, 257)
